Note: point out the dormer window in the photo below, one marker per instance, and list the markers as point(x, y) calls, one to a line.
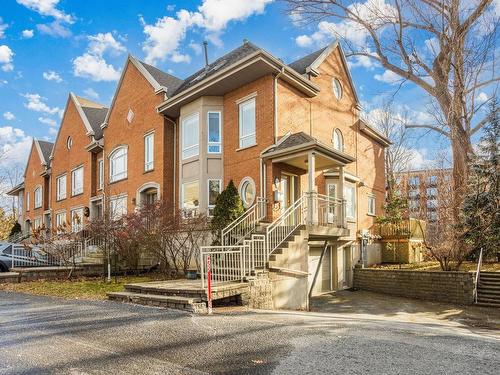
point(338, 140)
point(337, 88)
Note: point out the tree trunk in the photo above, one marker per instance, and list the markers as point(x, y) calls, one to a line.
point(462, 150)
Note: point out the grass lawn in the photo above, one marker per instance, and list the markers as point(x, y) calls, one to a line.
point(434, 266)
point(86, 288)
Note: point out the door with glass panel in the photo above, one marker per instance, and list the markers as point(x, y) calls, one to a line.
point(288, 190)
point(331, 192)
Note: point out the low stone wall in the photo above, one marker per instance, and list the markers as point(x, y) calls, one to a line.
point(438, 286)
point(259, 293)
point(52, 273)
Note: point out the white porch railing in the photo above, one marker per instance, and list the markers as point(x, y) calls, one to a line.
point(244, 254)
point(92, 244)
point(240, 228)
point(478, 271)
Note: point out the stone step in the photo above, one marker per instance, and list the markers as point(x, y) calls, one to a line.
point(491, 277)
point(492, 284)
point(489, 292)
point(186, 293)
point(487, 304)
point(194, 305)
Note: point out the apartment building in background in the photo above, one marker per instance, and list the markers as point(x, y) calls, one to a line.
point(279, 131)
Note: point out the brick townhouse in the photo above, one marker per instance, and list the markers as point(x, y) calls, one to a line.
point(277, 130)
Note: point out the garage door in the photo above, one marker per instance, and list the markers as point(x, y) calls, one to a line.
point(323, 281)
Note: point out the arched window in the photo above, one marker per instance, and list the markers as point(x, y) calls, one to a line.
point(118, 164)
point(337, 88)
point(69, 143)
point(338, 140)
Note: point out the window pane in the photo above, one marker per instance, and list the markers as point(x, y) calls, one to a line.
point(213, 191)
point(101, 174)
point(118, 165)
point(190, 136)
point(214, 132)
point(190, 195)
point(61, 187)
point(77, 181)
point(247, 123)
point(350, 198)
point(331, 191)
point(118, 207)
point(148, 152)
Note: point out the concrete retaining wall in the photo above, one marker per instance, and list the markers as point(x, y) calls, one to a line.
point(453, 287)
point(50, 273)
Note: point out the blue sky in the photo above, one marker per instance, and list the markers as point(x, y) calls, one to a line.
point(51, 47)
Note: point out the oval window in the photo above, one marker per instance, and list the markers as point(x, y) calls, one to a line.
point(337, 88)
point(69, 143)
point(247, 191)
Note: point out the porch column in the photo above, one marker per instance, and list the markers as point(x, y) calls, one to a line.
point(311, 211)
point(340, 195)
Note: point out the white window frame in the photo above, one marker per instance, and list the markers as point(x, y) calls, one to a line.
point(348, 216)
point(195, 147)
point(118, 215)
point(372, 205)
point(114, 177)
point(338, 137)
point(337, 86)
point(37, 223)
point(100, 174)
point(60, 223)
point(211, 206)
point(214, 143)
point(74, 188)
point(253, 134)
point(193, 210)
point(78, 226)
point(38, 197)
point(149, 151)
point(60, 195)
point(27, 201)
point(244, 182)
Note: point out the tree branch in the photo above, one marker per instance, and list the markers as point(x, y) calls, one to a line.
point(432, 127)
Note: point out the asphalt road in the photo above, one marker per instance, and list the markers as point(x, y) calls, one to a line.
point(43, 335)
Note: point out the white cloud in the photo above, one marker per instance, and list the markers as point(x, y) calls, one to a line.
point(15, 146)
point(102, 42)
point(370, 11)
point(304, 41)
point(53, 131)
point(3, 26)
point(482, 97)
point(91, 93)
point(362, 61)
point(55, 29)
point(47, 8)
point(388, 77)
point(9, 116)
point(52, 76)
point(165, 35)
point(92, 63)
point(28, 33)
point(47, 121)
point(6, 58)
point(95, 68)
point(196, 47)
point(37, 103)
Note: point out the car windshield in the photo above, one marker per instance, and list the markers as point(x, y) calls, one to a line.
point(7, 250)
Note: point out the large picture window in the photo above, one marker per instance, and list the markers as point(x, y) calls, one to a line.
point(247, 123)
point(214, 132)
point(190, 197)
point(149, 152)
point(118, 207)
point(38, 197)
point(61, 187)
point(190, 136)
point(77, 181)
point(118, 164)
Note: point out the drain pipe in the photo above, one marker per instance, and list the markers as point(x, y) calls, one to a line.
point(175, 160)
point(275, 88)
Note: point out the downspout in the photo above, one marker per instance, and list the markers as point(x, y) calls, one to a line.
point(275, 88)
point(175, 160)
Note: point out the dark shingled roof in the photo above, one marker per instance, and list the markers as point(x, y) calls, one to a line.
point(222, 62)
point(164, 79)
point(301, 64)
point(46, 148)
point(96, 117)
point(292, 140)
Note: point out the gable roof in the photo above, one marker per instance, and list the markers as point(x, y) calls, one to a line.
point(222, 62)
point(95, 116)
point(45, 149)
point(311, 62)
point(159, 80)
point(303, 63)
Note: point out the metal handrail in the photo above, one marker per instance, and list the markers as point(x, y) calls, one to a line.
point(478, 271)
point(245, 224)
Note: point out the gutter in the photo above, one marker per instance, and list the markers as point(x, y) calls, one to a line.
point(275, 87)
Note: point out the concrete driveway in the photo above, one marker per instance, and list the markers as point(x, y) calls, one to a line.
point(43, 335)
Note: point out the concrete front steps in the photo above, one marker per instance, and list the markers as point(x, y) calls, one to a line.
point(488, 291)
point(186, 295)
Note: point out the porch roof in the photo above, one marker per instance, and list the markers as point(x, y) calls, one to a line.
point(298, 144)
point(16, 189)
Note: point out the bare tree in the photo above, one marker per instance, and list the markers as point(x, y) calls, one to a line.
point(445, 47)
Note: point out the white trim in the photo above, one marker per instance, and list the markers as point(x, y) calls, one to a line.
point(210, 206)
point(197, 145)
point(38, 186)
point(146, 186)
point(245, 98)
point(372, 196)
point(249, 135)
point(83, 180)
point(65, 187)
point(152, 161)
point(110, 155)
point(242, 182)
